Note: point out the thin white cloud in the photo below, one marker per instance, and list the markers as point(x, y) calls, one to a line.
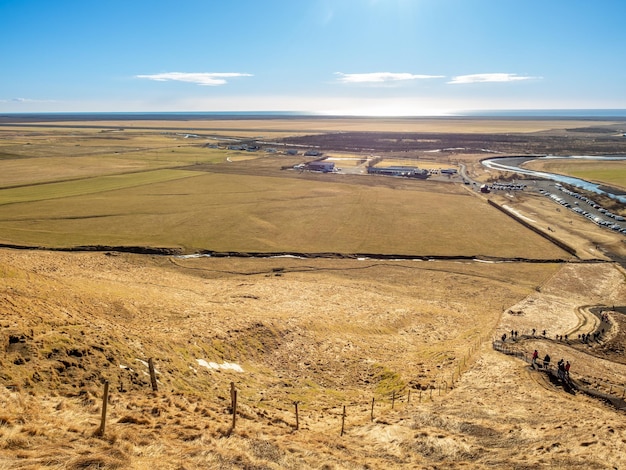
point(489, 77)
point(25, 100)
point(380, 77)
point(204, 79)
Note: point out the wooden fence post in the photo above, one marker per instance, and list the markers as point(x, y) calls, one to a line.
point(297, 417)
point(372, 412)
point(105, 401)
point(343, 419)
point(393, 399)
point(408, 397)
point(153, 380)
point(233, 401)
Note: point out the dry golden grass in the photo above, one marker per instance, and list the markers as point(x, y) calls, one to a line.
point(42, 156)
point(326, 333)
point(96, 185)
point(116, 200)
point(67, 141)
point(265, 214)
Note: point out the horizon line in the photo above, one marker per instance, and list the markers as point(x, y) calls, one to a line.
point(513, 112)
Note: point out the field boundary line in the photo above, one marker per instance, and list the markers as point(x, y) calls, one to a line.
point(564, 246)
point(112, 186)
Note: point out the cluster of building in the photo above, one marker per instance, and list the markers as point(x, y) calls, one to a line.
point(255, 148)
point(308, 153)
point(325, 166)
point(405, 171)
point(246, 147)
point(321, 165)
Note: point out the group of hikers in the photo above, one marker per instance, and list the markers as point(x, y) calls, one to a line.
point(585, 338)
point(562, 366)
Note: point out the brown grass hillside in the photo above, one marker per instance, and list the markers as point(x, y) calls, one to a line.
point(324, 333)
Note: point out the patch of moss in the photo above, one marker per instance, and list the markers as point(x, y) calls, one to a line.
point(388, 381)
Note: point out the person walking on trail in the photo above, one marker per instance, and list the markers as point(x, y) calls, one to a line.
point(546, 361)
point(561, 369)
point(567, 366)
point(535, 356)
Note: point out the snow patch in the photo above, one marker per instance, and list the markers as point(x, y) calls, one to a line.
point(143, 362)
point(517, 213)
point(224, 365)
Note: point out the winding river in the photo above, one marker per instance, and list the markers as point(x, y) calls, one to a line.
point(513, 164)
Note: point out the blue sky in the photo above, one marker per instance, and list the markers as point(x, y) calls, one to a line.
point(373, 57)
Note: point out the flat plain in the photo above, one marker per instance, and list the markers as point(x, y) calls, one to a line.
point(388, 358)
point(321, 124)
point(154, 199)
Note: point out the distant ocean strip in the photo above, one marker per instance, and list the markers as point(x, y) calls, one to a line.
point(598, 114)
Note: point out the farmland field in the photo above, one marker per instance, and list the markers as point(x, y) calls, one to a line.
point(85, 186)
point(204, 211)
point(331, 294)
point(30, 157)
point(270, 210)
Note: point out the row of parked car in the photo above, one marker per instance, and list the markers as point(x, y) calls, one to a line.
point(507, 186)
point(589, 215)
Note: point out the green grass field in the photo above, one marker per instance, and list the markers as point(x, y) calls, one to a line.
point(611, 173)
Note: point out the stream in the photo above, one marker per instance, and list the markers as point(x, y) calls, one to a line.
point(513, 164)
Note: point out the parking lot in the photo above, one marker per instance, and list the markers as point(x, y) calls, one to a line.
point(583, 206)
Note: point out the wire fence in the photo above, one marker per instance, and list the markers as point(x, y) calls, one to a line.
point(355, 411)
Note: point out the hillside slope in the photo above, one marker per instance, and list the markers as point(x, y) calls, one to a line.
point(323, 333)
